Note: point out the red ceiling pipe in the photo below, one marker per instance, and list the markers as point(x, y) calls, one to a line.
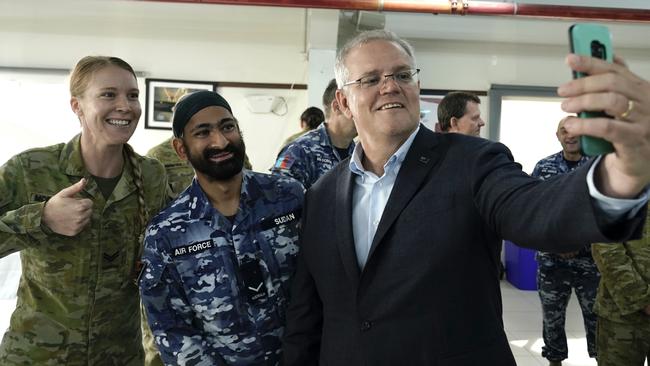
point(416, 6)
point(563, 12)
point(453, 7)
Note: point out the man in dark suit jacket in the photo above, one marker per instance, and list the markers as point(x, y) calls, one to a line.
point(399, 249)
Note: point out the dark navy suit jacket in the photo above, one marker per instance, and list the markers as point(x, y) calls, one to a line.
point(429, 292)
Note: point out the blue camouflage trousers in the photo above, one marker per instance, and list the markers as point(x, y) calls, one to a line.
point(556, 277)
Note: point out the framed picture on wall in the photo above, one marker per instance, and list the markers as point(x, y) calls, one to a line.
point(162, 95)
point(429, 100)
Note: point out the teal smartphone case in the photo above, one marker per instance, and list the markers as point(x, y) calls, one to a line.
point(596, 41)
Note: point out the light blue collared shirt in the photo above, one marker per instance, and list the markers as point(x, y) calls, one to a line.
point(370, 195)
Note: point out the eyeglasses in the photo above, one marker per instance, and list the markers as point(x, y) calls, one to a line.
point(404, 77)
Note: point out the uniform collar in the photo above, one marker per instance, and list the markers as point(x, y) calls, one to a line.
point(559, 158)
point(70, 159)
point(251, 191)
point(326, 141)
point(71, 162)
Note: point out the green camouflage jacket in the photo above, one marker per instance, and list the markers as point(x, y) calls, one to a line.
point(625, 278)
point(77, 301)
point(179, 172)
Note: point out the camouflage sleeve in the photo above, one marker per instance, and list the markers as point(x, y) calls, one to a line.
point(158, 190)
point(158, 182)
point(170, 314)
point(629, 290)
point(20, 220)
point(292, 163)
point(536, 170)
point(166, 188)
point(153, 153)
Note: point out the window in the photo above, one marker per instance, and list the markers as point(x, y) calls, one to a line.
point(36, 106)
point(525, 119)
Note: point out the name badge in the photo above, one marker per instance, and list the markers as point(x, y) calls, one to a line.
point(193, 248)
point(280, 220)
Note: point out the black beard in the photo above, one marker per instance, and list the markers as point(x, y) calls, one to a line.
point(220, 171)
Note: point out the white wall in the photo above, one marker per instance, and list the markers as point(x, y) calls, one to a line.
point(163, 41)
point(477, 65)
point(454, 65)
point(246, 44)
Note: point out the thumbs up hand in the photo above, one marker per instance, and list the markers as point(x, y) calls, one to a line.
point(66, 214)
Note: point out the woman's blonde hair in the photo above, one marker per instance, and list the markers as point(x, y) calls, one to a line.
point(87, 66)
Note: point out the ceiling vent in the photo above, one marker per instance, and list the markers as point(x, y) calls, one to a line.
point(369, 20)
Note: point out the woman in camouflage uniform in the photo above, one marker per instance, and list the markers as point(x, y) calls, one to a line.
point(76, 213)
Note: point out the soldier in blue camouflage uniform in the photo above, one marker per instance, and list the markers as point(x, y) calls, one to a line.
point(220, 256)
point(557, 274)
point(316, 152)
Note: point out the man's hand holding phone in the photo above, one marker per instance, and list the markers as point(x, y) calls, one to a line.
point(614, 89)
point(592, 40)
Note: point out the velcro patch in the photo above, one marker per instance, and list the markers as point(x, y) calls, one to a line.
point(193, 248)
point(284, 162)
point(112, 260)
point(38, 197)
point(280, 220)
point(253, 280)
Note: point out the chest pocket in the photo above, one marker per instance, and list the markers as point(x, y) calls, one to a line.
point(151, 283)
point(119, 244)
point(278, 241)
point(209, 280)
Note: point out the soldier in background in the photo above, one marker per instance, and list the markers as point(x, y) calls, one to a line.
point(310, 119)
point(77, 220)
point(623, 301)
point(219, 257)
point(313, 154)
point(558, 274)
point(179, 172)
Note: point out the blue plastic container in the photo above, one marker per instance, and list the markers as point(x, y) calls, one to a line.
point(521, 267)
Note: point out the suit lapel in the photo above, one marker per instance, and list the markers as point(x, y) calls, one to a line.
point(419, 161)
point(343, 213)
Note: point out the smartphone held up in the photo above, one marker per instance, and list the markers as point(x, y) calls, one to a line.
point(596, 41)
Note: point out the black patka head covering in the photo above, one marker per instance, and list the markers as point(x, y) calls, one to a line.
point(190, 104)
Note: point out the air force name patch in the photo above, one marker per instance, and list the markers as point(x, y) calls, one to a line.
point(193, 248)
point(269, 223)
